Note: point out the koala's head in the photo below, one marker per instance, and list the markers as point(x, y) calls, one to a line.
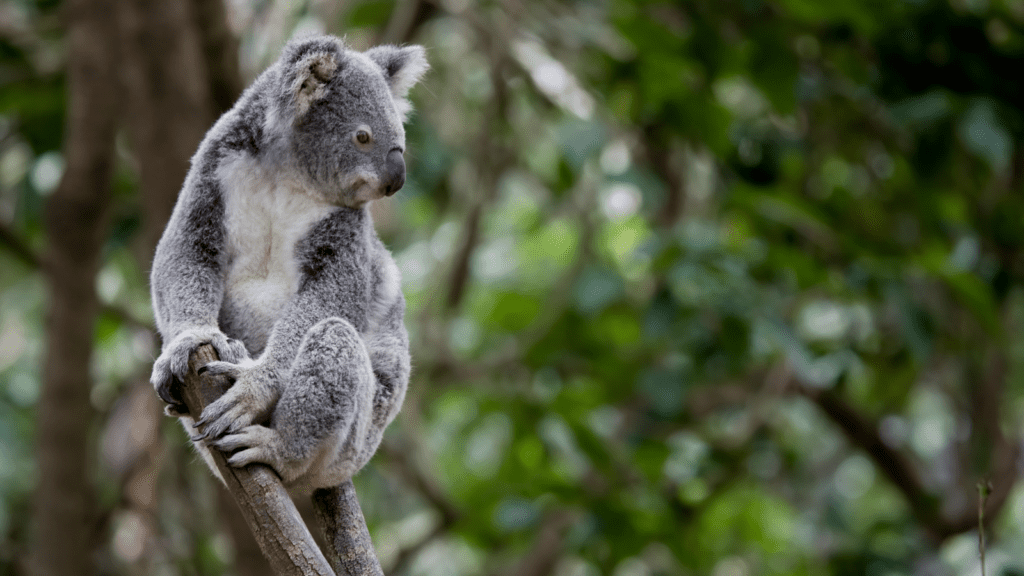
point(340, 113)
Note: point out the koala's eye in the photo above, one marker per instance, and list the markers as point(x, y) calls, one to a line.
point(363, 137)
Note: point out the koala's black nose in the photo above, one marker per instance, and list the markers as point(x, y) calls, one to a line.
point(394, 172)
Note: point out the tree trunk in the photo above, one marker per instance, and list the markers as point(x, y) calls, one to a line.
point(220, 49)
point(181, 71)
point(76, 222)
point(170, 104)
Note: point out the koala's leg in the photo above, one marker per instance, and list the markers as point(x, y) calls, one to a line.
point(316, 432)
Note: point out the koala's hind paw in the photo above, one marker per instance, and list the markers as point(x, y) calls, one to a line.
point(250, 399)
point(253, 444)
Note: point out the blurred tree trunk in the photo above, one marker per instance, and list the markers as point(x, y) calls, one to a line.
point(76, 224)
point(220, 50)
point(170, 103)
point(181, 71)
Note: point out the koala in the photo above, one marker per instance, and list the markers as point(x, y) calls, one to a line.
point(271, 256)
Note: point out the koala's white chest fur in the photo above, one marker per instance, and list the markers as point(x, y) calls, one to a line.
point(265, 217)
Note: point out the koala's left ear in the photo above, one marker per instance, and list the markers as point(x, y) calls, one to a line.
point(403, 67)
point(312, 72)
point(307, 64)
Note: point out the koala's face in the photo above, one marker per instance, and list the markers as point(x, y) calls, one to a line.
point(344, 110)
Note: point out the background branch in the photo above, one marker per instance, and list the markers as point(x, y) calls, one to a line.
point(26, 255)
point(220, 53)
point(902, 472)
point(17, 247)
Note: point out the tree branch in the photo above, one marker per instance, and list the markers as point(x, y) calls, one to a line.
point(407, 17)
point(348, 540)
point(125, 317)
point(265, 504)
point(249, 559)
point(493, 158)
point(406, 555)
point(863, 433)
point(399, 456)
point(546, 549)
point(990, 451)
point(659, 153)
point(460, 271)
point(924, 505)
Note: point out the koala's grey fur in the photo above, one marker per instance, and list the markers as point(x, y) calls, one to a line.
point(271, 256)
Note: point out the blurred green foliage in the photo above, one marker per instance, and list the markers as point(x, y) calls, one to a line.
point(640, 242)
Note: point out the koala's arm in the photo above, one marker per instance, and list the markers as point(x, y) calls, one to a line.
point(388, 347)
point(186, 279)
point(187, 282)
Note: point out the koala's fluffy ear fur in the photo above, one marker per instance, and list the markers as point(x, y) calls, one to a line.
point(403, 67)
point(309, 66)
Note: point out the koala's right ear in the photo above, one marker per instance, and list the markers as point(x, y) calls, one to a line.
point(403, 67)
point(308, 66)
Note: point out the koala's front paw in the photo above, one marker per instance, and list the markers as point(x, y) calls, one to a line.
point(254, 443)
point(172, 365)
point(251, 397)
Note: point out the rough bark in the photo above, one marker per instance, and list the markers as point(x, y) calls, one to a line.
point(249, 560)
point(265, 504)
point(348, 540)
point(75, 220)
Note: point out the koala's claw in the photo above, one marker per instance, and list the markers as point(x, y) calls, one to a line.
point(164, 391)
point(176, 410)
point(233, 351)
point(248, 437)
point(224, 420)
point(232, 370)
